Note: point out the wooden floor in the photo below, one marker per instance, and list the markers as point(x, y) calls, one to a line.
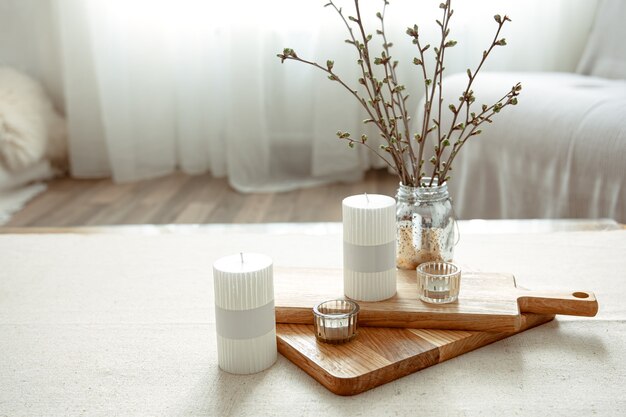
point(181, 198)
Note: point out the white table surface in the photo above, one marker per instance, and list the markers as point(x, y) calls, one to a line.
point(123, 324)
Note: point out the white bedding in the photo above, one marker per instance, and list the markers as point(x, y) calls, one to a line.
point(17, 188)
point(561, 152)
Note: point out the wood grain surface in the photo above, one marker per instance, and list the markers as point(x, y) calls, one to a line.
point(379, 355)
point(487, 301)
point(185, 199)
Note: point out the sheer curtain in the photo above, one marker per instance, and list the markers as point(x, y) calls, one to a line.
point(152, 86)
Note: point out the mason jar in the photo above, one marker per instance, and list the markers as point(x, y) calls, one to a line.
point(425, 225)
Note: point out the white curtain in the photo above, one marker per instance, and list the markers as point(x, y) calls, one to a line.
point(151, 86)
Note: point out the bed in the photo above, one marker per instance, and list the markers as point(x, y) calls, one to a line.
point(561, 152)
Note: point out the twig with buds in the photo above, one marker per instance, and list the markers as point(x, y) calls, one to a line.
point(385, 102)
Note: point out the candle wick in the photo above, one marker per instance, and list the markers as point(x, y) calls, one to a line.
point(366, 197)
point(241, 254)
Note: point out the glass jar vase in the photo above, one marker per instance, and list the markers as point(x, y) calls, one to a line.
point(425, 225)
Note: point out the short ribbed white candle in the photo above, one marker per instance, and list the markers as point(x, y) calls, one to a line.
point(369, 247)
point(244, 313)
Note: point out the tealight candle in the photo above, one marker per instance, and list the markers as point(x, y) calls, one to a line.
point(336, 321)
point(438, 282)
point(244, 313)
point(369, 247)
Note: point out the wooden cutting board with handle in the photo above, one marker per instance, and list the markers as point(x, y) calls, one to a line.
point(487, 302)
point(379, 355)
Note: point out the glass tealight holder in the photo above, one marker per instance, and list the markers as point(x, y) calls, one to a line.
point(438, 282)
point(336, 321)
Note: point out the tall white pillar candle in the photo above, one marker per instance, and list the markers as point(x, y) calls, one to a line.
point(369, 247)
point(244, 313)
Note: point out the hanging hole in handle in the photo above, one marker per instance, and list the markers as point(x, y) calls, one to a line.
point(579, 294)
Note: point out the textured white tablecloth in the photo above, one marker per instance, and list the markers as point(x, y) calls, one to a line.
point(124, 325)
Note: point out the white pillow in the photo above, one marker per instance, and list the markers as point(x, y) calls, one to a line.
point(30, 129)
point(605, 52)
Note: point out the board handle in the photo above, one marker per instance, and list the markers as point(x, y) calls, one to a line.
point(575, 303)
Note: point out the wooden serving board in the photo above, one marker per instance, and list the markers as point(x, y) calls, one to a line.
point(487, 301)
point(379, 355)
